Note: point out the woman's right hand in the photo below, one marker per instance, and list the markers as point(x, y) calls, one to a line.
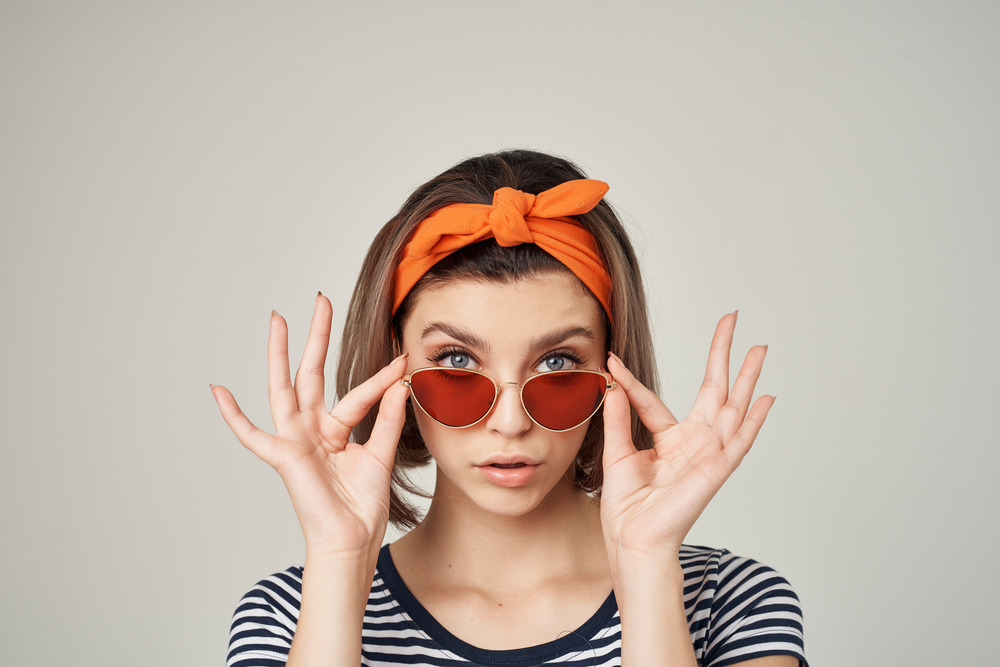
point(339, 488)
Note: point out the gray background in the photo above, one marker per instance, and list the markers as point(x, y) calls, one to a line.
point(169, 172)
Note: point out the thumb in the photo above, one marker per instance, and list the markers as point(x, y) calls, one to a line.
point(257, 441)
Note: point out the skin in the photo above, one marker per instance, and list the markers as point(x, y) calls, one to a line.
point(482, 560)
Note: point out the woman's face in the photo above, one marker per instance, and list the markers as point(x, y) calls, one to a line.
point(505, 464)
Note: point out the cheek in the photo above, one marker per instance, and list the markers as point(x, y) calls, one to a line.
point(437, 438)
point(569, 448)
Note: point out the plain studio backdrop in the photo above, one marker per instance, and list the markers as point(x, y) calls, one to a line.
point(170, 172)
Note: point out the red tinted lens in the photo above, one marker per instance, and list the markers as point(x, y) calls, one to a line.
point(563, 400)
point(453, 396)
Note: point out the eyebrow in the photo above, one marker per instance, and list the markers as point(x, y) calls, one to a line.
point(550, 340)
point(458, 333)
point(545, 341)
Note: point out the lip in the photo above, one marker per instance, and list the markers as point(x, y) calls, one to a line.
point(509, 477)
point(508, 459)
point(508, 470)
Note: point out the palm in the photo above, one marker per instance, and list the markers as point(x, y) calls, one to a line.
point(651, 498)
point(339, 489)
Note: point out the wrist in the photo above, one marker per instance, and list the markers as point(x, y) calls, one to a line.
point(359, 561)
point(646, 577)
point(349, 579)
point(644, 560)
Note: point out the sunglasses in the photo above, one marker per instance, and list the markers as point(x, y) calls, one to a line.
point(556, 400)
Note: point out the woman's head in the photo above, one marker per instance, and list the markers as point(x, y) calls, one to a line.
point(372, 334)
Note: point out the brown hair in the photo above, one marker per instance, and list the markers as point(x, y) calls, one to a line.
point(369, 332)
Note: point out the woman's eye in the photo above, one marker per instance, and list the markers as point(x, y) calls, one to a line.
point(556, 362)
point(453, 357)
point(456, 360)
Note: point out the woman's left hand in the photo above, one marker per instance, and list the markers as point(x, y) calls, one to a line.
point(651, 498)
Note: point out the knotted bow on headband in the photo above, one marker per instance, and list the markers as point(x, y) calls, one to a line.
point(515, 217)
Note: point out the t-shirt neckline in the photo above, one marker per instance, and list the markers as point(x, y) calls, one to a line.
point(575, 641)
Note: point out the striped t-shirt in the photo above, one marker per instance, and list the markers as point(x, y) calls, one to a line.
point(737, 609)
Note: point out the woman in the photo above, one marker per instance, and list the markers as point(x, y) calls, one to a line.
point(499, 325)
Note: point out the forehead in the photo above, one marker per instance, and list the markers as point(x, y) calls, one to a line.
point(518, 310)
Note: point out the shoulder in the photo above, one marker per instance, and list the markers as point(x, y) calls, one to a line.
point(265, 619)
point(730, 578)
point(738, 608)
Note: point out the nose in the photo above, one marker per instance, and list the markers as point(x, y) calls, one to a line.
point(508, 417)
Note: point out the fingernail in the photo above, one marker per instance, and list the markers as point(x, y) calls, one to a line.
point(765, 348)
point(736, 312)
point(274, 313)
point(402, 356)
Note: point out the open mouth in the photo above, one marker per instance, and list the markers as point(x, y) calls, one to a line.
point(510, 474)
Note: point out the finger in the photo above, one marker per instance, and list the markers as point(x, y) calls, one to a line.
point(389, 424)
point(651, 410)
point(715, 388)
point(356, 404)
point(309, 380)
point(280, 394)
point(732, 414)
point(617, 428)
point(743, 439)
point(257, 441)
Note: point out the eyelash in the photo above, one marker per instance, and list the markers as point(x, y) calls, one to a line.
point(447, 352)
point(450, 350)
point(565, 353)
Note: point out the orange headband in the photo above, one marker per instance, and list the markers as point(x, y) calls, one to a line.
point(515, 217)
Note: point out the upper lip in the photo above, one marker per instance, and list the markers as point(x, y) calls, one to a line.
point(507, 459)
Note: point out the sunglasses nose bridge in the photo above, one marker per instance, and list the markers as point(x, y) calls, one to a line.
point(517, 386)
point(508, 415)
point(501, 385)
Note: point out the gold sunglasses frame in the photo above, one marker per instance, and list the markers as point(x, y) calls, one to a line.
point(609, 385)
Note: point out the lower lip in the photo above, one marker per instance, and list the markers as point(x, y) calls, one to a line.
point(509, 477)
